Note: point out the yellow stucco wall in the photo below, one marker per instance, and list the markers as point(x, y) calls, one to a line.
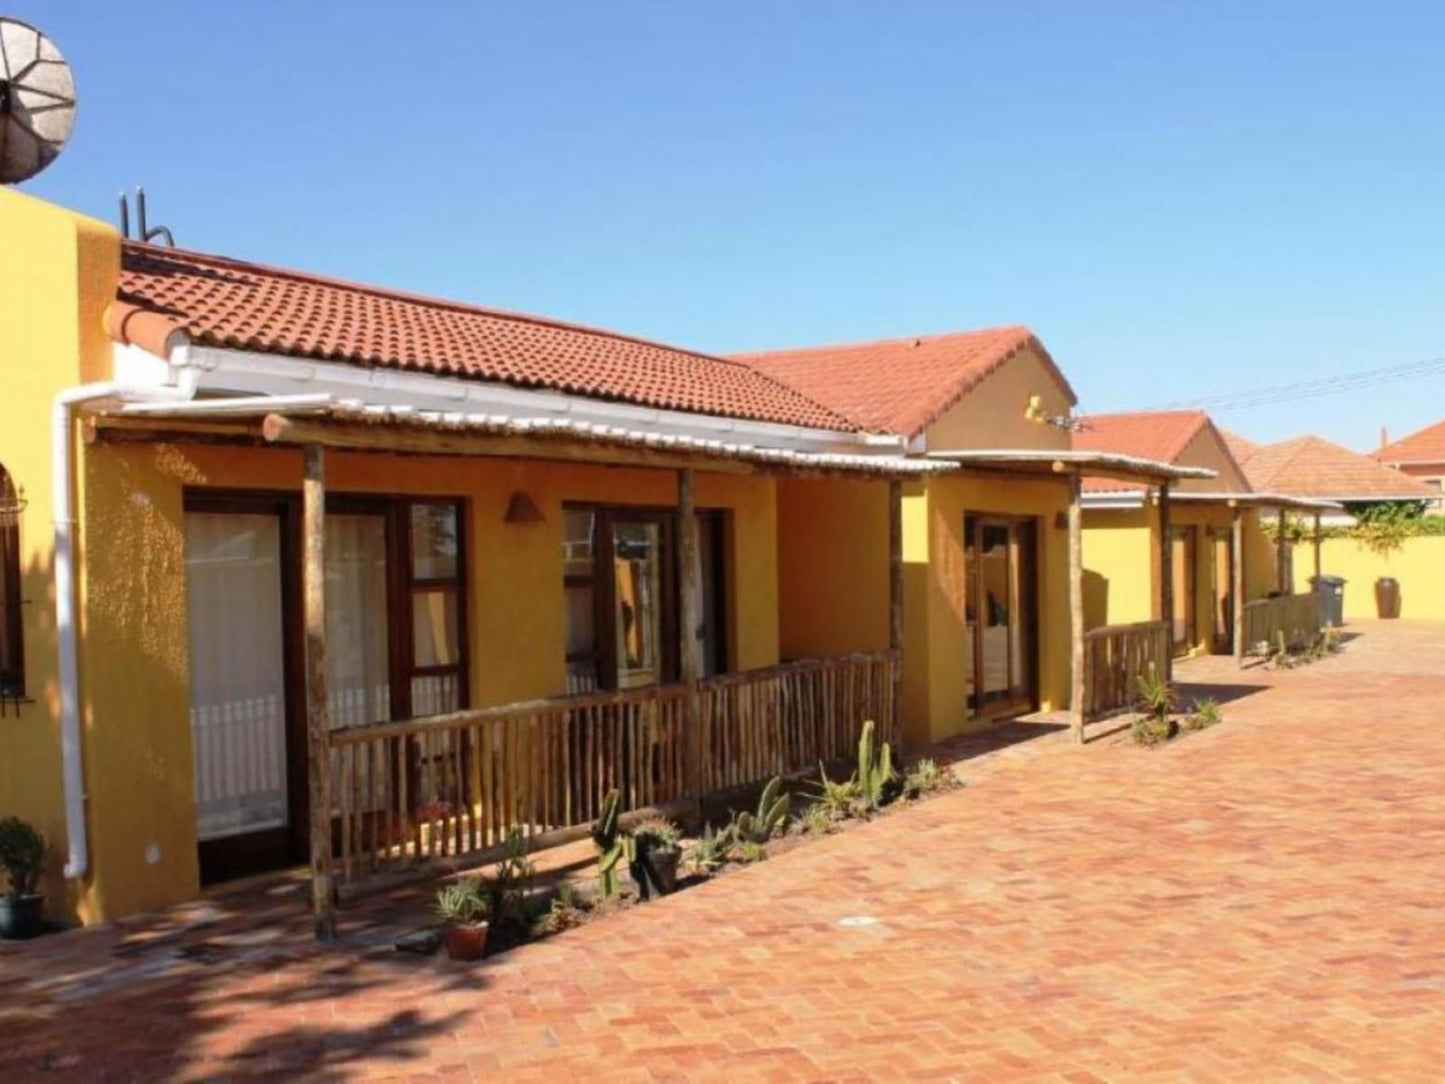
point(832, 566)
point(1121, 563)
point(136, 685)
point(1419, 565)
point(992, 415)
point(935, 677)
point(1207, 449)
point(58, 271)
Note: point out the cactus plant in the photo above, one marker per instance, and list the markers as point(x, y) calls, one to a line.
point(761, 826)
point(611, 843)
point(875, 769)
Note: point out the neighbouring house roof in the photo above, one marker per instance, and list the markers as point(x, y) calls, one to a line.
point(1311, 466)
point(1161, 435)
point(217, 301)
point(900, 386)
point(1425, 446)
point(1239, 447)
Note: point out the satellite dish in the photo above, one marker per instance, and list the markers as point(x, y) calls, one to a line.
point(37, 101)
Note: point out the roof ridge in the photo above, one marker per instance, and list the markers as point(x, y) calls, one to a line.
point(156, 252)
point(891, 340)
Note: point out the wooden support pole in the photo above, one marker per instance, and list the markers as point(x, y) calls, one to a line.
point(1317, 541)
point(1281, 557)
point(1166, 578)
point(1077, 691)
point(895, 598)
point(690, 605)
point(1237, 590)
point(318, 725)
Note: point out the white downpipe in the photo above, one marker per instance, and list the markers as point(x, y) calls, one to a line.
point(72, 758)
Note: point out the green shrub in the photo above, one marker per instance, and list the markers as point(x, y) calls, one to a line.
point(711, 850)
point(927, 776)
point(1206, 713)
point(463, 902)
point(22, 855)
point(763, 825)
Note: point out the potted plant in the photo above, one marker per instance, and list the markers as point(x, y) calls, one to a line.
point(656, 852)
point(462, 905)
point(22, 856)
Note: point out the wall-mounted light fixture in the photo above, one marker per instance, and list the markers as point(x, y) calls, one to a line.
point(522, 509)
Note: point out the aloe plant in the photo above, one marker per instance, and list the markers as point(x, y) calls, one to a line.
point(611, 843)
point(772, 811)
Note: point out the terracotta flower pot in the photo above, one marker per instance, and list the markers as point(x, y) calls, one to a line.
point(466, 942)
point(19, 917)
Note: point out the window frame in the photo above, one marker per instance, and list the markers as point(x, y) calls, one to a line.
point(604, 656)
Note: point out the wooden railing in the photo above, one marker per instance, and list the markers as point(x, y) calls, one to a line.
point(453, 785)
point(1297, 616)
point(1115, 657)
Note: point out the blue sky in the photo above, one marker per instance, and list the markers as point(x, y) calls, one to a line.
point(1182, 200)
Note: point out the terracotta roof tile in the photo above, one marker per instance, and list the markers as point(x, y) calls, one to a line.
point(1311, 466)
point(228, 303)
point(1425, 446)
point(899, 385)
point(1148, 434)
point(1239, 447)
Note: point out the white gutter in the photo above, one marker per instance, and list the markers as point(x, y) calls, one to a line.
point(227, 371)
point(72, 757)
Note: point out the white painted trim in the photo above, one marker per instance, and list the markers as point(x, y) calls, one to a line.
point(227, 371)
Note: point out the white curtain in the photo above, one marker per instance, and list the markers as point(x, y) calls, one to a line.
point(357, 663)
point(238, 707)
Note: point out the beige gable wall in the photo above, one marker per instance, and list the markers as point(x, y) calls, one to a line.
point(1208, 449)
point(992, 414)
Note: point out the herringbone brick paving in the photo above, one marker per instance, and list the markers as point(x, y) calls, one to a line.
point(1257, 902)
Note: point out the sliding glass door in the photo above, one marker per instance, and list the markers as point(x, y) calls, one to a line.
point(1000, 614)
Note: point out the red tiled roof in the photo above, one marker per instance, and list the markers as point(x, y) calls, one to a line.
point(1147, 434)
point(1425, 446)
point(1311, 466)
point(900, 385)
point(1239, 447)
point(228, 303)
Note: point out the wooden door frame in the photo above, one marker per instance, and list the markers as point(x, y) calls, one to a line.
point(1189, 566)
point(1010, 703)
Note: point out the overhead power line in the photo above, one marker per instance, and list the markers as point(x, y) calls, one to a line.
point(1313, 389)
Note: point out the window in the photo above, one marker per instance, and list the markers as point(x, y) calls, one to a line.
point(12, 646)
point(395, 622)
point(619, 569)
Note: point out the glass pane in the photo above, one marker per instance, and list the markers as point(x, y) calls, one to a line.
point(238, 692)
point(1183, 581)
point(1016, 677)
point(708, 574)
point(996, 600)
point(357, 657)
point(434, 541)
point(434, 628)
point(637, 568)
point(435, 694)
point(10, 620)
point(581, 638)
point(577, 541)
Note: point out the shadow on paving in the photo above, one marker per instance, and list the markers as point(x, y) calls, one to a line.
point(231, 985)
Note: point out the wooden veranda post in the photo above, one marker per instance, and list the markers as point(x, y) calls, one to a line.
point(689, 600)
point(1318, 570)
point(1237, 588)
point(1281, 556)
point(1166, 579)
point(318, 758)
point(1076, 606)
point(895, 598)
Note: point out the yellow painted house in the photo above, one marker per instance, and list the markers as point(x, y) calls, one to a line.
point(986, 548)
point(1209, 522)
point(294, 568)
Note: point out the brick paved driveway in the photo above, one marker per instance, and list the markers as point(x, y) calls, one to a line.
point(1261, 901)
